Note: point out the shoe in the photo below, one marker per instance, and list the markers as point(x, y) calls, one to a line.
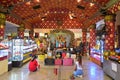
point(80, 76)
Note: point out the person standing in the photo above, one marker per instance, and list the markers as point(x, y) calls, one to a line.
point(81, 47)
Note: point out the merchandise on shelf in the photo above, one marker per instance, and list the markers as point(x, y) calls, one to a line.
point(3, 51)
point(97, 52)
point(8, 51)
point(22, 51)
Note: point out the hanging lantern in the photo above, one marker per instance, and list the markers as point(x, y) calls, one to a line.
point(2, 19)
point(2, 26)
point(21, 28)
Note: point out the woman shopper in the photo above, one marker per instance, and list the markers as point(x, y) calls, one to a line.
point(78, 71)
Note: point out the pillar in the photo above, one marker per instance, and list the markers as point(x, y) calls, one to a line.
point(118, 33)
point(110, 35)
point(92, 36)
point(84, 35)
point(21, 31)
point(2, 26)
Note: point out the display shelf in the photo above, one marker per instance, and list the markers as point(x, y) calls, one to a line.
point(3, 58)
point(3, 48)
point(26, 60)
point(3, 52)
point(6, 49)
point(96, 56)
point(28, 53)
point(26, 57)
point(95, 60)
point(22, 52)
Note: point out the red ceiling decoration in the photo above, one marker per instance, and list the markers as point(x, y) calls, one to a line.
point(45, 13)
point(115, 7)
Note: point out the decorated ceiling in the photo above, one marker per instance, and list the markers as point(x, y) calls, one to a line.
point(52, 14)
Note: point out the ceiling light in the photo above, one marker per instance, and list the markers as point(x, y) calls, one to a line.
point(42, 19)
point(39, 15)
point(48, 12)
point(70, 15)
point(45, 14)
point(79, 1)
point(62, 12)
point(91, 4)
point(28, 3)
point(37, 0)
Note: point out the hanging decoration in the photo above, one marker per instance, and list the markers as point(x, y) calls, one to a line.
point(2, 26)
point(59, 23)
point(115, 8)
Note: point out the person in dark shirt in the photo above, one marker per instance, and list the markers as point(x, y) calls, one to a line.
point(81, 48)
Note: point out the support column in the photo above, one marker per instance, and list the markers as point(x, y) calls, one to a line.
point(110, 36)
point(118, 33)
point(92, 36)
point(2, 26)
point(84, 34)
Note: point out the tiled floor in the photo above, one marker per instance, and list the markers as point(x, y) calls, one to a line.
point(91, 72)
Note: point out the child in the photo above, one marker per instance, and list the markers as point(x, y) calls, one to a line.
point(33, 65)
point(78, 72)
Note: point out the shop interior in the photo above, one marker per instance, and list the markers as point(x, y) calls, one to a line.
point(60, 33)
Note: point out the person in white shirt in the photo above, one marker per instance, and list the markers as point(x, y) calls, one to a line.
point(78, 72)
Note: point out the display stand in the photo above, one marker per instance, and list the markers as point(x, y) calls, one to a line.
point(22, 52)
point(9, 44)
point(96, 56)
point(3, 58)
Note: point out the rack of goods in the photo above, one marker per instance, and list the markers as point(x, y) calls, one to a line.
point(3, 58)
point(111, 64)
point(22, 51)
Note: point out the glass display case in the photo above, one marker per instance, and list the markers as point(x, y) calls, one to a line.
point(3, 52)
point(22, 51)
point(6, 52)
point(17, 56)
point(27, 52)
point(97, 52)
point(9, 55)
